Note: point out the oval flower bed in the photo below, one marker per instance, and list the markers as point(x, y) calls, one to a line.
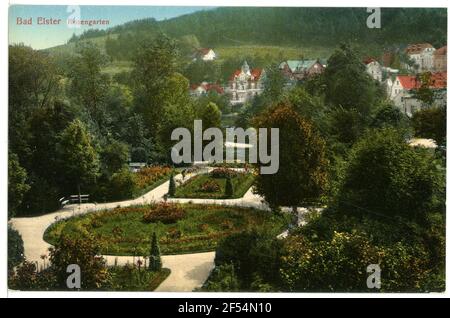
point(125, 231)
point(212, 185)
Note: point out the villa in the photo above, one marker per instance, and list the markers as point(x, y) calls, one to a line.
point(401, 90)
point(245, 83)
point(296, 70)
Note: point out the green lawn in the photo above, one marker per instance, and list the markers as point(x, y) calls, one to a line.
point(273, 51)
point(123, 232)
point(192, 188)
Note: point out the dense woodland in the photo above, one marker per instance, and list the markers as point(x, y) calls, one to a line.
point(293, 26)
point(73, 128)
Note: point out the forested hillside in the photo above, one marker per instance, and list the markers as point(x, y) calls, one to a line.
point(287, 27)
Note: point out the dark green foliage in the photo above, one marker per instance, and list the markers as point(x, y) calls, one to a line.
point(155, 263)
point(17, 186)
point(387, 177)
point(302, 175)
point(318, 26)
point(347, 83)
point(388, 115)
point(122, 185)
point(15, 248)
point(78, 157)
point(253, 254)
point(430, 123)
point(222, 279)
point(339, 247)
point(172, 186)
point(88, 85)
point(114, 156)
point(138, 154)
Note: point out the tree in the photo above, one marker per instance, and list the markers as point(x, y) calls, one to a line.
point(302, 173)
point(274, 81)
point(84, 252)
point(154, 63)
point(33, 84)
point(424, 93)
point(347, 82)
point(114, 156)
point(17, 186)
point(77, 156)
point(88, 84)
point(172, 186)
point(430, 123)
point(387, 177)
point(122, 185)
point(155, 255)
point(229, 191)
point(252, 254)
point(15, 248)
point(388, 115)
point(209, 114)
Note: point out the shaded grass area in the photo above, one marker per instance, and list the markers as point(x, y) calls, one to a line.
point(123, 231)
point(193, 187)
point(153, 182)
point(130, 278)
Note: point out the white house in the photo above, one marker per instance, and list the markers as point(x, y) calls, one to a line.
point(423, 56)
point(205, 54)
point(401, 90)
point(374, 69)
point(245, 83)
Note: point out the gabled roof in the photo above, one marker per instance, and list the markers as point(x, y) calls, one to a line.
point(438, 81)
point(441, 51)
point(417, 48)
point(298, 65)
point(408, 81)
point(203, 51)
point(254, 73)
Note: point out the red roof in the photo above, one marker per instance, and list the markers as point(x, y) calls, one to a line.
point(438, 80)
point(208, 87)
point(203, 51)
point(214, 87)
point(256, 73)
point(369, 60)
point(235, 74)
point(408, 81)
point(417, 48)
point(441, 51)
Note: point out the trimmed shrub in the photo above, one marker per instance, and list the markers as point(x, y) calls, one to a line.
point(155, 255)
point(172, 186)
point(229, 191)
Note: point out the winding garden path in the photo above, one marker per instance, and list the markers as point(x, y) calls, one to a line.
point(188, 271)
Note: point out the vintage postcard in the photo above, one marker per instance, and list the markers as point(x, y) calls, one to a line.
point(226, 149)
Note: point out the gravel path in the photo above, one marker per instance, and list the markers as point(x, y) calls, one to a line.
point(188, 271)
